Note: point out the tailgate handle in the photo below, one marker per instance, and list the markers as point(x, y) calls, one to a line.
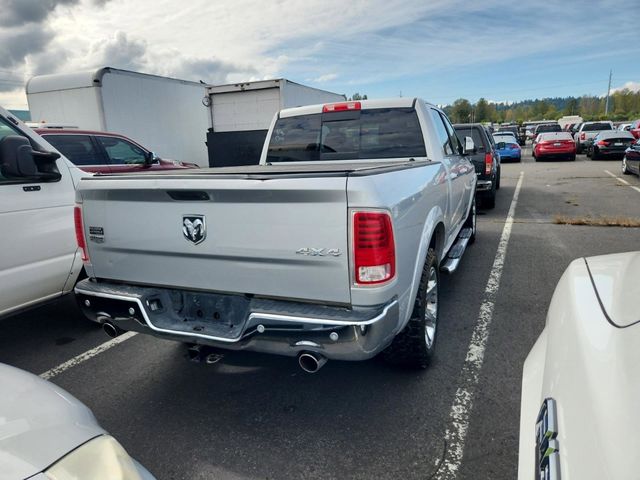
point(189, 195)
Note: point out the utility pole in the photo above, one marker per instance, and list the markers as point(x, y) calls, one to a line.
point(606, 105)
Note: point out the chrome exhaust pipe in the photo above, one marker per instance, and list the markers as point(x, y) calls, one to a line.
point(311, 362)
point(111, 330)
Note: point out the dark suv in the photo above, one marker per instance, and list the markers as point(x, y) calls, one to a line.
point(485, 159)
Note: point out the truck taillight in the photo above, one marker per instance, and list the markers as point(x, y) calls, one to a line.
point(488, 163)
point(341, 107)
point(583, 136)
point(77, 220)
point(374, 251)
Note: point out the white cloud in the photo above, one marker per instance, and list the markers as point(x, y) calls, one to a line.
point(631, 86)
point(327, 77)
point(361, 43)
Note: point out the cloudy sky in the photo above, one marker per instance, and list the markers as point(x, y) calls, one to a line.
point(437, 49)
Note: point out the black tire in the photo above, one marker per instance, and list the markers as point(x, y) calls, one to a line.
point(594, 154)
point(579, 148)
point(498, 179)
point(625, 169)
point(572, 158)
point(471, 221)
point(490, 200)
point(413, 347)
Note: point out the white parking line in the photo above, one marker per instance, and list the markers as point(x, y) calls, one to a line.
point(83, 357)
point(622, 180)
point(456, 433)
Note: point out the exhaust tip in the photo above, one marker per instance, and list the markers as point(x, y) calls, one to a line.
point(311, 362)
point(111, 330)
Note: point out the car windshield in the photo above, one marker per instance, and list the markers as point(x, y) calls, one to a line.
point(351, 135)
point(591, 127)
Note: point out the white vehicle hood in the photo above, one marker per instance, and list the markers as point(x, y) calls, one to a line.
point(616, 280)
point(587, 360)
point(39, 423)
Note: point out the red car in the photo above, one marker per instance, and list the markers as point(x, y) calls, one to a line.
point(635, 128)
point(102, 152)
point(553, 145)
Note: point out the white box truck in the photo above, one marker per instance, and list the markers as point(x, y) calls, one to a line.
point(241, 114)
point(166, 115)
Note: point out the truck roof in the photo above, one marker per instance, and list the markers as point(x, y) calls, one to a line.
point(89, 78)
point(401, 102)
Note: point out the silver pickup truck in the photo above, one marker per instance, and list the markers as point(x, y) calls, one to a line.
point(331, 248)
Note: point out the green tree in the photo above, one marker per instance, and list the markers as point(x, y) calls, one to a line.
point(572, 107)
point(461, 111)
point(482, 111)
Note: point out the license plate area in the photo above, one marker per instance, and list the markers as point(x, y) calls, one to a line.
point(213, 315)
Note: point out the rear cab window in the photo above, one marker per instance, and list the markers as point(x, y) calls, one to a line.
point(473, 132)
point(590, 127)
point(377, 133)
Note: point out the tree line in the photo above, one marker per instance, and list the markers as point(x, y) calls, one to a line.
point(623, 105)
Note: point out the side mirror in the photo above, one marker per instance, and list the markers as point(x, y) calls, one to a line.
point(469, 146)
point(18, 160)
point(149, 158)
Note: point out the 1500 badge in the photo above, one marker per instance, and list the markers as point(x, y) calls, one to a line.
point(319, 252)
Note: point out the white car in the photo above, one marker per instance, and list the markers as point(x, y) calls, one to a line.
point(47, 434)
point(39, 258)
point(579, 415)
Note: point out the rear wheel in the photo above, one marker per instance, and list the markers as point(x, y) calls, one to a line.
point(625, 169)
point(498, 179)
point(414, 346)
point(595, 155)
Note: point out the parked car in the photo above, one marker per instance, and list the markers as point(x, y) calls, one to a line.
point(49, 434)
point(624, 127)
point(39, 258)
point(507, 146)
point(587, 131)
point(634, 128)
point(486, 160)
point(607, 144)
point(331, 248)
point(580, 384)
point(553, 146)
point(102, 152)
point(631, 159)
point(508, 128)
point(522, 135)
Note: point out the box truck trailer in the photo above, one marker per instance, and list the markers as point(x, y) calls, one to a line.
point(166, 115)
point(241, 114)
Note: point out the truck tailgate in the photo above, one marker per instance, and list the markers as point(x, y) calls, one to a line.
point(278, 237)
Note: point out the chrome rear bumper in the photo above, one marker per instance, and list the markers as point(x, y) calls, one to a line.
point(238, 322)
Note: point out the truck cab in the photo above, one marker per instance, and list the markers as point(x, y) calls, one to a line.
point(39, 259)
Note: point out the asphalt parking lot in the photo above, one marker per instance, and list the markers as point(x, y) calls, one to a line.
point(253, 416)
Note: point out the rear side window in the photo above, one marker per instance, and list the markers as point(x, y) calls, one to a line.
point(474, 133)
point(441, 131)
point(364, 134)
point(596, 126)
point(77, 148)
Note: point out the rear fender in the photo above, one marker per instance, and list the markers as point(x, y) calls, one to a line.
point(435, 218)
